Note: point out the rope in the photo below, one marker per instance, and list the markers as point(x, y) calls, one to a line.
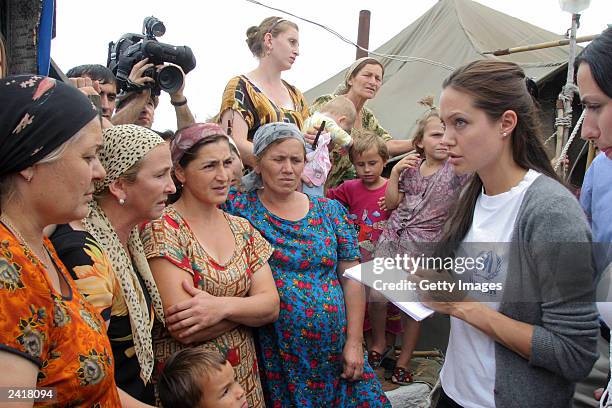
point(578, 157)
point(569, 141)
point(401, 58)
point(550, 138)
point(565, 121)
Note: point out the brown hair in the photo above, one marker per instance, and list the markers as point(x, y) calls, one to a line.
point(3, 58)
point(179, 382)
point(273, 25)
point(364, 140)
point(431, 112)
point(341, 106)
point(496, 87)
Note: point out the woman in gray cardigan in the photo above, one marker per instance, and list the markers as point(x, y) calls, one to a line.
point(527, 342)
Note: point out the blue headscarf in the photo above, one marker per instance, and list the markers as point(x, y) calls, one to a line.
point(265, 135)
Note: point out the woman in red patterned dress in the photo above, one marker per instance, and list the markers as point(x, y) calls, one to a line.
point(211, 268)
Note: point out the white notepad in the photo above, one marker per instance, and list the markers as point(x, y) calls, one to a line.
point(417, 310)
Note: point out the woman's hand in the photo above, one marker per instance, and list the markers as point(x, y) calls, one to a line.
point(353, 360)
point(190, 316)
point(442, 293)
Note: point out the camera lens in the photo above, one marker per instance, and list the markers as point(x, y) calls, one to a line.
point(170, 79)
point(154, 26)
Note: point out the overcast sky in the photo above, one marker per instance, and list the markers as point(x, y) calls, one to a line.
point(216, 33)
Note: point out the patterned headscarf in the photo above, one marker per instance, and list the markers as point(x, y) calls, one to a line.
point(37, 115)
point(343, 88)
point(188, 137)
point(235, 147)
point(124, 146)
point(265, 135)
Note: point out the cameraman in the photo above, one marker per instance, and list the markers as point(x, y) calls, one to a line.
point(138, 107)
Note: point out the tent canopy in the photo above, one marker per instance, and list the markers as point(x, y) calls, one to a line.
point(453, 32)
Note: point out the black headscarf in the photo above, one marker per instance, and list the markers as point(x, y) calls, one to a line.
point(37, 115)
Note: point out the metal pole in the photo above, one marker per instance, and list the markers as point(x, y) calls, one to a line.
point(572, 52)
point(363, 33)
point(567, 94)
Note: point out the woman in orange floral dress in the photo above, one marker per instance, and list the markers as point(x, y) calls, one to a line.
point(49, 335)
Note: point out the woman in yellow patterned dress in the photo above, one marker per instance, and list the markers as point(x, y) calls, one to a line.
point(105, 256)
point(210, 267)
point(261, 96)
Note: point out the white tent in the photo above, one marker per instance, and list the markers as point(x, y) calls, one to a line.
point(453, 32)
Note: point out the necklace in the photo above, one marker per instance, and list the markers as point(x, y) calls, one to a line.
point(22, 240)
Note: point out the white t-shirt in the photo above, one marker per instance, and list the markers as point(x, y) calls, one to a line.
point(604, 291)
point(468, 374)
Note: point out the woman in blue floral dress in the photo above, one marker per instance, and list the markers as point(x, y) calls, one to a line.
point(313, 355)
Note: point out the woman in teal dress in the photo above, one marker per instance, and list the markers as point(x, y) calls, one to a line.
point(313, 355)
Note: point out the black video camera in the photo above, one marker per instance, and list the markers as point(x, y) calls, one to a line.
point(132, 48)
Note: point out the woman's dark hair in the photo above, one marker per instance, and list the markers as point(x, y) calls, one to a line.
point(187, 158)
point(598, 56)
point(496, 87)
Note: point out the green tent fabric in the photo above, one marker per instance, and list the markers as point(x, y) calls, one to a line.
point(453, 32)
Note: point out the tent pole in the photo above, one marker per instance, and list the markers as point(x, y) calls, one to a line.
point(363, 33)
point(567, 94)
point(590, 156)
point(558, 43)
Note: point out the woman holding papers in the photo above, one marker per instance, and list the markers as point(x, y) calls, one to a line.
point(529, 346)
point(313, 354)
